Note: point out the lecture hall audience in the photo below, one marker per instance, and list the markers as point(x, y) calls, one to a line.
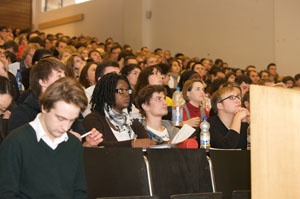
point(88, 59)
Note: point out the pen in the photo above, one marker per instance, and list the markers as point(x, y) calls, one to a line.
point(150, 135)
point(86, 134)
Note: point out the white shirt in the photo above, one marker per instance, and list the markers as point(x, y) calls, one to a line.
point(41, 134)
point(89, 93)
point(135, 113)
point(164, 135)
point(122, 136)
point(172, 82)
point(13, 68)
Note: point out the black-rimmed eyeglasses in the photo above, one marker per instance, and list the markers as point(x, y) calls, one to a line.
point(231, 97)
point(123, 91)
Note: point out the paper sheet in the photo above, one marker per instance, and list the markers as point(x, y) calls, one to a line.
point(184, 133)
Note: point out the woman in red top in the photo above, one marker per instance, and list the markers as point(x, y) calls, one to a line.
point(193, 93)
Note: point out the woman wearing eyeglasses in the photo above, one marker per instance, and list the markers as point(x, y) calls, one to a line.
point(228, 128)
point(111, 105)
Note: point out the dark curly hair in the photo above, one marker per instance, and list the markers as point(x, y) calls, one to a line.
point(104, 92)
point(145, 94)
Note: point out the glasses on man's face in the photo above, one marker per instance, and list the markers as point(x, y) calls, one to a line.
point(159, 99)
point(123, 91)
point(231, 97)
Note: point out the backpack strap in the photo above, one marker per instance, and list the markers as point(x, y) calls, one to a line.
point(202, 112)
point(187, 110)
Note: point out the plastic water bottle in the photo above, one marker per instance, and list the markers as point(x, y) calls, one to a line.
point(19, 79)
point(177, 110)
point(207, 103)
point(204, 135)
point(248, 138)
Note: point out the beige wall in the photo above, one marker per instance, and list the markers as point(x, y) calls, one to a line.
point(242, 32)
point(102, 19)
point(287, 35)
point(239, 31)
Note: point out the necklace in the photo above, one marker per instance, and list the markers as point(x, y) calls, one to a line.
point(116, 128)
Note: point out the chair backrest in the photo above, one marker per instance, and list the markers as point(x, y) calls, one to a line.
point(208, 195)
point(179, 171)
point(231, 170)
point(241, 194)
point(115, 172)
point(130, 197)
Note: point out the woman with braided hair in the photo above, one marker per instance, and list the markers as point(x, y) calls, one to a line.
point(111, 105)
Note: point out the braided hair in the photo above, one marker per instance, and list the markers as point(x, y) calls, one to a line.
point(104, 92)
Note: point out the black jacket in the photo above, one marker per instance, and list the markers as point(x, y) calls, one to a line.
point(221, 137)
point(26, 112)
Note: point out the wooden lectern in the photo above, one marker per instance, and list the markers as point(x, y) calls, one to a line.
point(275, 142)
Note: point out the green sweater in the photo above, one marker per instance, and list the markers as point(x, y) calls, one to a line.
point(31, 169)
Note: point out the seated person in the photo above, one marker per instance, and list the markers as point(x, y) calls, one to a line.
point(228, 128)
point(187, 75)
point(41, 159)
point(111, 105)
point(151, 100)
point(42, 75)
point(193, 94)
point(166, 74)
point(6, 97)
point(151, 75)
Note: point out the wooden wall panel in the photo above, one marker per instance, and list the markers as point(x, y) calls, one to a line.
point(16, 13)
point(61, 21)
point(275, 135)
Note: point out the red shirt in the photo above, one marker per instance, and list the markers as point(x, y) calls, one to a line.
point(194, 111)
